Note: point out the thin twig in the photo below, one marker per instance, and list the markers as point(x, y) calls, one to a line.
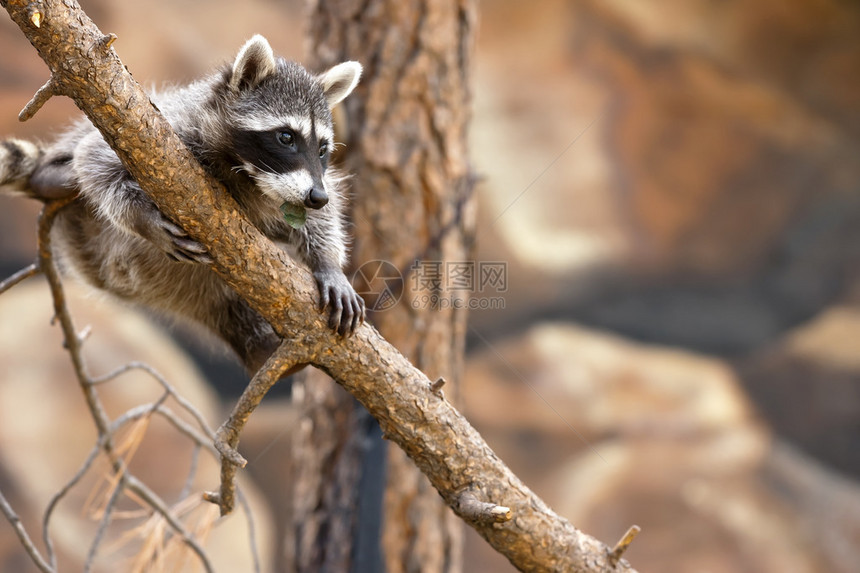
point(59, 496)
point(71, 340)
point(26, 542)
point(252, 530)
point(482, 511)
point(436, 387)
point(623, 544)
point(143, 410)
point(103, 524)
point(184, 403)
point(199, 441)
point(158, 505)
point(107, 40)
point(44, 93)
point(192, 472)
point(287, 355)
point(73, 345)
point(21, 275)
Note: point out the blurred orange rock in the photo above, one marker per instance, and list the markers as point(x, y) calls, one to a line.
point(612, 433)
point(808, 384)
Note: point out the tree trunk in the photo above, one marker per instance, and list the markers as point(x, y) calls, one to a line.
point(405, 131)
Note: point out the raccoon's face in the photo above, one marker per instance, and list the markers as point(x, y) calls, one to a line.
point(287, 159)
point(282, 128)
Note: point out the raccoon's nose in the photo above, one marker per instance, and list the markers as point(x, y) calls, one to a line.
point(316, 198)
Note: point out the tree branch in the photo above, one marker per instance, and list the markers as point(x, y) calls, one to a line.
point(26, 542)
point(439, 440)
point(122, 482)
point(45, 93)
point(21, 275)
point(286, 356)
point(73, 343)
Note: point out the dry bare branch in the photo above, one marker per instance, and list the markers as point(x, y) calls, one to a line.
point(57, 497)
point(124, 482)
point(21, 275)
point(104, 522)
point(153, 500)
point(482, 511)
point(623, 544)
point(286, 356)
point(44, 93)
point(73, 342)
point(436, 387)
point(26, 542)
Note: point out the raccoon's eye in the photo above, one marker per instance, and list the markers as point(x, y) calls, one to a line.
point(286, 138)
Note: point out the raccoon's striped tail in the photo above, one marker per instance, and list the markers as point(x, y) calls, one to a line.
point(18, 161)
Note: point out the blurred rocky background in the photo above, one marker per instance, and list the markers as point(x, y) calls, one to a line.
point(674, 188)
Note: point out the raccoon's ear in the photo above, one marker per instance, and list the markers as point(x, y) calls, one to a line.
point(339, 81)
point(255, 62)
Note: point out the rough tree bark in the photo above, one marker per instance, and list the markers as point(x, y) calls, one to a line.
point(406, 136)
point(459, 464)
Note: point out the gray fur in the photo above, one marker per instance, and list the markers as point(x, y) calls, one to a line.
point(18, 159)
point(115, 239)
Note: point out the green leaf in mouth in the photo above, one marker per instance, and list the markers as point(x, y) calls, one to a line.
point(294, 215)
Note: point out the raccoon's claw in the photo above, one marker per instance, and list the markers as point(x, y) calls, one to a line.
point(181, 247)
point(346, 308)
point(151, 224)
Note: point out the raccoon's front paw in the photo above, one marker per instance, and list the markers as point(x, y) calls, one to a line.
point(346, 307)
point(155, 227)
point(180, 247)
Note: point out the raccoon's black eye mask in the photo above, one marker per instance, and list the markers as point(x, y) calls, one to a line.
point(288, 139)
point(276, 151)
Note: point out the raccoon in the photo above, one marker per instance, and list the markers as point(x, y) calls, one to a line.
point(261, 126)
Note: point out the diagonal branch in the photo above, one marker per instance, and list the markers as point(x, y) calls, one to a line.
point(285, 357)
point(23, 536)
point(435, 436)
point(21, 275)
